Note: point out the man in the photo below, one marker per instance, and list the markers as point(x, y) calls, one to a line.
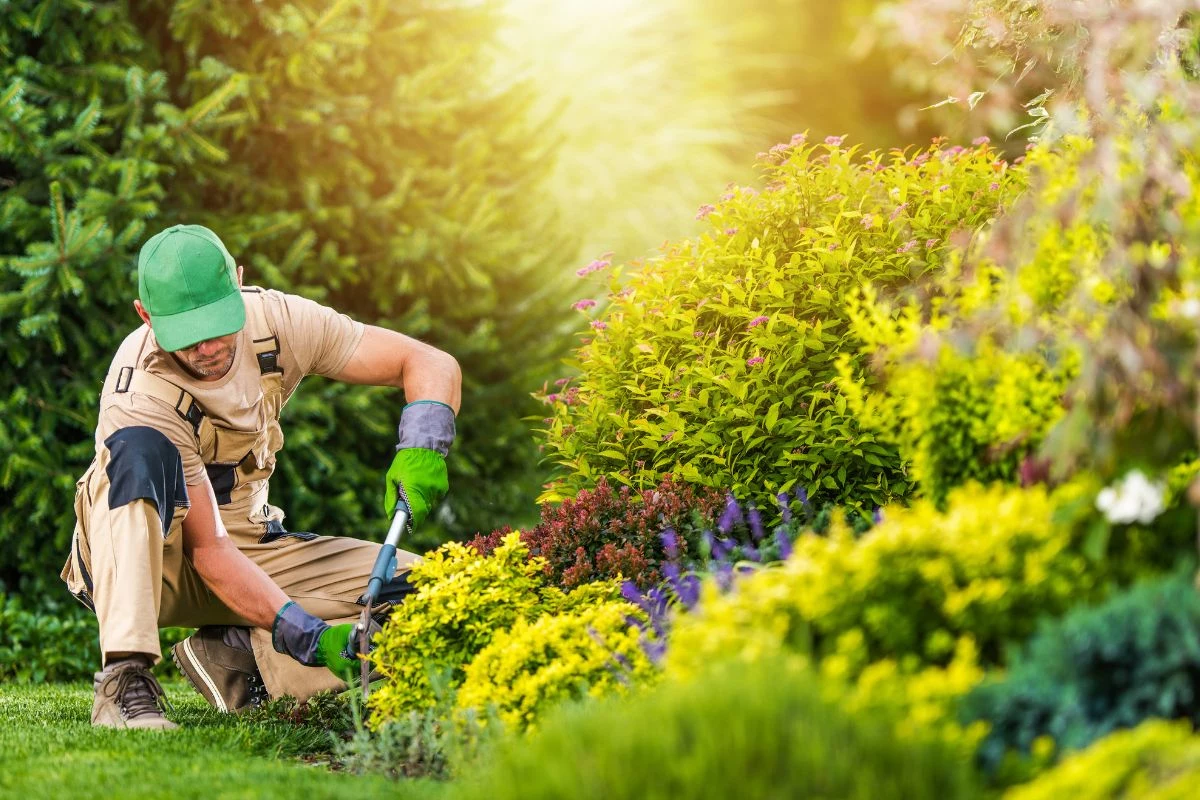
point(173, 526)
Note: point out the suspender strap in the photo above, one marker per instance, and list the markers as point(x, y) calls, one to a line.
point(142, 382)
point(266, 343)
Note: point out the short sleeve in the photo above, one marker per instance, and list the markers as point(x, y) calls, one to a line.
point(320, 339)
point(132, 409)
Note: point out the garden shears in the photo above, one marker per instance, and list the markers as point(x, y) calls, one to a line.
point(381, 573)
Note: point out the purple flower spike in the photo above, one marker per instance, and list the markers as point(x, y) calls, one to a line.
point(756, 523)
point(878, 515)
point(751, 553)
point(732, 515)
point(689, 591)
point(785, 506)
point(632, 593)
point(724, 576)
point(784, 543)
point(670, 543)
point(802, 496)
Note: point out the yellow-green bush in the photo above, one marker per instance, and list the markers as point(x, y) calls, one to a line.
point(958, 392)
point(716, 362)
point(1157, 760)
point(462, 601)
point(910, 588)
point(592, 652)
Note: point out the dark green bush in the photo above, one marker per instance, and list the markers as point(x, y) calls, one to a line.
point(765, 731)
point(53, 643)
point(1132, 658)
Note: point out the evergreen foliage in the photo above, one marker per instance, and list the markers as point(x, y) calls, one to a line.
point(352, 152)
point(86, 136)
point(1097, 670)
point(362, 156)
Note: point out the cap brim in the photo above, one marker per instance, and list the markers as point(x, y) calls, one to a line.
point(218, 318)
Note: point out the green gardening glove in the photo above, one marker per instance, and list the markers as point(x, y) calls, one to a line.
point(420, 475)
point(335, 650)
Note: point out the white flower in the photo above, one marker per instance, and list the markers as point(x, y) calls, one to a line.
point(1133, 499)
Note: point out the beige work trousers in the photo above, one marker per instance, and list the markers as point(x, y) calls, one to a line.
point(139, 579)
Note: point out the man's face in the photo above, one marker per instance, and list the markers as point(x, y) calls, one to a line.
point(211, 359)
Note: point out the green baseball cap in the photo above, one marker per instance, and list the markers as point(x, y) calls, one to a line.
point(187, 282)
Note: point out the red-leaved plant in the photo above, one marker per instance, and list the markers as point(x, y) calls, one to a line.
point(604, 534)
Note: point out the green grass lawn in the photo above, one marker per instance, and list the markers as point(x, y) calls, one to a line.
point(49, 750)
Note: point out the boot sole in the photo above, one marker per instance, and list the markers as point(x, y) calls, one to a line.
point(201, 681)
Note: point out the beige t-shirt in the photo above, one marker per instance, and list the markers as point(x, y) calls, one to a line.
point(312, 340)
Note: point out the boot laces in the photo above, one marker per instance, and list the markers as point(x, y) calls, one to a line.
point(138, 693)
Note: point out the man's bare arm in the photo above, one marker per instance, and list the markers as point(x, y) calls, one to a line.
point(236, 580)
point(388, 358)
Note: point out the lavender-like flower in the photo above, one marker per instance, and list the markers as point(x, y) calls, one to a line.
point(785, 506)
point(834, 141)
point(754, 323)
point(756, 523)
point(982, 140)
point(594, 266)
point(732, 515)
point(583, 305)
point(877, 517)
point(784, 543)
point(754, 362)
point(705, 210)
point(599, 325)
point(670, 541)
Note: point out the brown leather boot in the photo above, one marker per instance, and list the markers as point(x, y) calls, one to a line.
point(128, 696)
point(219, 664)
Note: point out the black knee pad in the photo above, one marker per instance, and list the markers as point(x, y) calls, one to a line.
point(394, 591)
point(143, 464)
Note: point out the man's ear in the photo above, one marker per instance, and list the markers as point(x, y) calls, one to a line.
point(239, 276)
point(141, 311)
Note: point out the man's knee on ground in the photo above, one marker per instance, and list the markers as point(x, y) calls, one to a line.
point(143, 464)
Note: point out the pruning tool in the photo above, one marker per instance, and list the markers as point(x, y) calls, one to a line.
point(381, 573)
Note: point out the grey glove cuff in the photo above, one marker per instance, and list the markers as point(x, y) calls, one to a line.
point(428, 424)
point(296, 633)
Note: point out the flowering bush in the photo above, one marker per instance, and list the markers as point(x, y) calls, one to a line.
point(716, 361)
point(910, 588)
point(525, 670)
point(462, 601)
point(603, 534)
point(1158, 760)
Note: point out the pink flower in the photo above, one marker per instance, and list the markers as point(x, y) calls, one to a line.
point(730, 231)
point(667, 437)
point(698, 334)
point(798, 139)
point(982, 140)
point(581, 305)
point(595, 266)
point(705, 210)
point(754, 362)
point(551, 398)
point(900, 208)
point(834, 141)
point(993, 186)
point(931, 242)
point(868, 220)
point(754, 323)
point(562, 381)
point(599, 325)
point(909, 245)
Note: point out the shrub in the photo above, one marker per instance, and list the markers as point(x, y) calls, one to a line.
point(911, 587)
point(717, 361)
point(1156, 761)
point(462, 601)
point(534, 665)
point(1096, 670)
point(750, 732)
point(602, 534)
point(54, 643)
